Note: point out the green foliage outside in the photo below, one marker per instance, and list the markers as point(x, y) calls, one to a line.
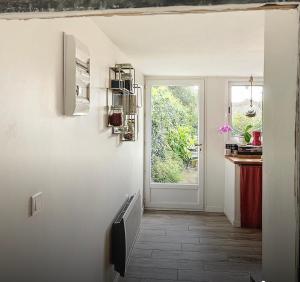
point(240, 121)
point(180, 141)
point(174, 131)
point(166, 170)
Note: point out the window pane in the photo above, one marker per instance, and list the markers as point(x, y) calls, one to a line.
point(174, 156)
point(240, 100)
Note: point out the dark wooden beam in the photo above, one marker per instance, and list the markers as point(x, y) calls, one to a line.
point(16, 6)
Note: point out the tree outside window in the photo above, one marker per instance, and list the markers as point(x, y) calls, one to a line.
point(174, 115)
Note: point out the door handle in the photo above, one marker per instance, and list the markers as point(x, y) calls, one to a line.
point(199, 146)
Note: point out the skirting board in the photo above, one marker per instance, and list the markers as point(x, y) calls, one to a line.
point(207, 209)
point(214, 209)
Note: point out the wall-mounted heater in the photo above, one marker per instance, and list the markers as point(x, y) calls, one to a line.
point(125, 230)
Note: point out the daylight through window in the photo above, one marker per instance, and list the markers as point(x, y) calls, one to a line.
point(240, 102)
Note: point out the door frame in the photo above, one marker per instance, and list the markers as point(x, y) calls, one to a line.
point(181, 81)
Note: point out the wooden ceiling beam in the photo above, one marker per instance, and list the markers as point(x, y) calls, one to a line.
point(26, 9)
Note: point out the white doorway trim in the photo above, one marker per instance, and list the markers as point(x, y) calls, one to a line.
point(197, 188)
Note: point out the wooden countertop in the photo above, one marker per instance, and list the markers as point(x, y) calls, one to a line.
point(245, 160)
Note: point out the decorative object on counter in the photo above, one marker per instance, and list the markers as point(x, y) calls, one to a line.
point(227, 151)
point(225, 128)
point(256, 138)
point(251, 111)
point(76, 77)
point(231, 149)
point(123, 114)
point(250, 150)
point(246, 134)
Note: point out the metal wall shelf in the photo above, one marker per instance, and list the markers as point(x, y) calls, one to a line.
point(122, 111)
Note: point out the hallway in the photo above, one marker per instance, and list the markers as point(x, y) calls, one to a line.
point(135, 134)
point(193, 247)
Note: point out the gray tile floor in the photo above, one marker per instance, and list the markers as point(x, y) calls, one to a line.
point(198, 247)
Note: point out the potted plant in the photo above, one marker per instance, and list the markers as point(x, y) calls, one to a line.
point(225, 128)
point(246, 135)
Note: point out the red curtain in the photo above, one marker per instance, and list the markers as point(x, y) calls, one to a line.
point(251, 196)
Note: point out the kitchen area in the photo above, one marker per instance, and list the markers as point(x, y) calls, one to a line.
point(243, 158)
point(243, 188)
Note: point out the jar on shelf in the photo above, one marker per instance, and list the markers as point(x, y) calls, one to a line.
point(127, 78)
point(128, 136)
point(129, 133)
point(115, 116)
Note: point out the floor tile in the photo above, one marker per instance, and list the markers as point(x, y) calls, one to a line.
point(151, 272)
point(189, 247)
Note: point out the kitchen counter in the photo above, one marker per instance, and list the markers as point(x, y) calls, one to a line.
point(245, 160)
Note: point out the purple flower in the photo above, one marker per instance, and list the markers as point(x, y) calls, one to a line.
point(226, 128)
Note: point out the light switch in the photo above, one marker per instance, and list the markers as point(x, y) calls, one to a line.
point(36, 203)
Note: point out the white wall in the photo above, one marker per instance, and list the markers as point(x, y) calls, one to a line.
point(279, 209)
point(215, 107)
point(83, 172)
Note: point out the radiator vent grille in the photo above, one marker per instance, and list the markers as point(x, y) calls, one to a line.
point(124, 232)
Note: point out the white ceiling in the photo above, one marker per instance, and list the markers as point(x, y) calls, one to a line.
point(214, 44)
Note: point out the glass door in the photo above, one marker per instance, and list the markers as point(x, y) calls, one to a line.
point(174, 144)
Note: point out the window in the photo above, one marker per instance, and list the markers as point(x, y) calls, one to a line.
point(240, 94)
point(175, 129)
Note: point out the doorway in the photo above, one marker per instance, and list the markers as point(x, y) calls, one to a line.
point(175, 144)
point(280, 241)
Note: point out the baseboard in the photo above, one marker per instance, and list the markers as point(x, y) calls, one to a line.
point(170, 210)
point(214, 209)
point(237, 223)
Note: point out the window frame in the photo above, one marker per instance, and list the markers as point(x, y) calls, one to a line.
point(258, 81)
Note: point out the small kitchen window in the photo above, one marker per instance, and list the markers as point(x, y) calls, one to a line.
point(239, 101)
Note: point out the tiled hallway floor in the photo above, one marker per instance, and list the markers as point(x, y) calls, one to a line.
point(193, 247)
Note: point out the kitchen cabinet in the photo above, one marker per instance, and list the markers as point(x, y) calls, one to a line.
point(232, 193)
point(243, 191)
point(251, 196)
